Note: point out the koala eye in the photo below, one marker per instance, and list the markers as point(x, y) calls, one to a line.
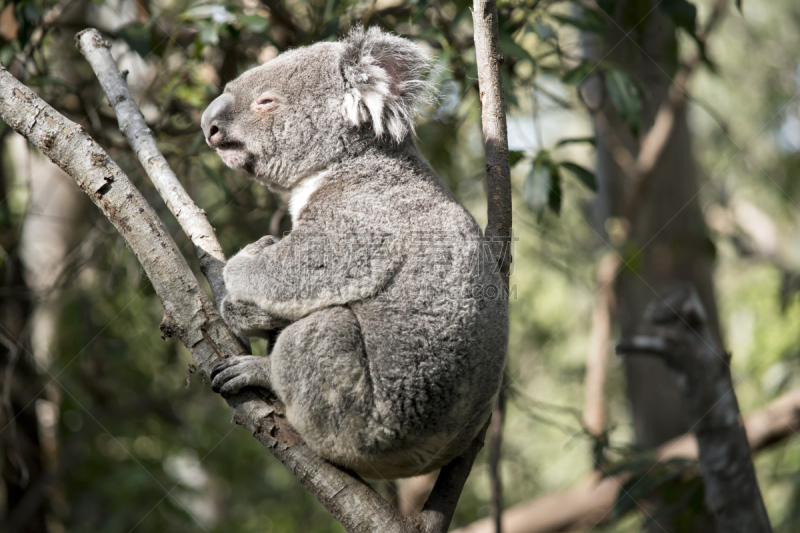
point(265, 100)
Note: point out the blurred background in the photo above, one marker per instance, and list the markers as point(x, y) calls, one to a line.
point(653, 141)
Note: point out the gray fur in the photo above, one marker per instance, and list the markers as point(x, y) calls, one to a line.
point(397, 319)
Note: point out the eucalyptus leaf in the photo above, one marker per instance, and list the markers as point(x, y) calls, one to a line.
point(584, 175)
point(214, 175)
point(209, 33)
point(543, 30)
point(624, 97)
point(254, 23)
point(682, 13)
point(555, 196)
point(588, 21)
point(578, 75)
point(515, 156)
point(536, 188)
point(512, 49)
point(607, 5)
point(137, 37)
point(576, 140)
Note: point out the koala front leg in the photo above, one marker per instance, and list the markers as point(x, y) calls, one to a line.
point(233, 374)
point(247, 319)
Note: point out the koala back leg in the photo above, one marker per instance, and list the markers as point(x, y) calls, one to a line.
point(319, 370)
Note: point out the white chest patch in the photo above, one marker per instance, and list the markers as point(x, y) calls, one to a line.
point(302, 192)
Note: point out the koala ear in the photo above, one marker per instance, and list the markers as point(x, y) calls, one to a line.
point(385, 78)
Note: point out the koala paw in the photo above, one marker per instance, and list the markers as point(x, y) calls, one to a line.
point(233, 374)
point(246, 319)
point(260, 245)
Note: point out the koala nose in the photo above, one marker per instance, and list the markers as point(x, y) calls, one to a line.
point(213, 119)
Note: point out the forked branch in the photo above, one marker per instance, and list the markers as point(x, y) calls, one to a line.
point(190, 315)
point(131, 123)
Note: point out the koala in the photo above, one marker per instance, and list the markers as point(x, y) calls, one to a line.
point(391, 311)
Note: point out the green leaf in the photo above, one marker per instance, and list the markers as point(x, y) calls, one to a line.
point(209, 33)
point(625, 98)
point(254, 23)
point(578, 75)
point(536, 189)
point(556, 194)
point(607, 5)
point(542, 187)
point(576, 140)
point(214, 175)
point(682, 13)
point(584, 176)
point(543, 30)
point(588, 21)
point(515, 156)
point(512, 49)
point(43, 81)
point(138, 37)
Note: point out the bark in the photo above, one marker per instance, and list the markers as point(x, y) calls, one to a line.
point(682, 338)
point(190, 315)
point(498, 192)
point(132, 124)
point(495, 133)
point(591, 502)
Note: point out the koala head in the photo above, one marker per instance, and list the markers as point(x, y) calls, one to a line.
point(312, 106)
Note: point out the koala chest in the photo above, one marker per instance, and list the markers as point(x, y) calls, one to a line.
point(302, 192)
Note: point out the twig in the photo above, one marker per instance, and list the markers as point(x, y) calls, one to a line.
point(682, 338)
point(495, 455)
point(190, 315)
point(132, 124)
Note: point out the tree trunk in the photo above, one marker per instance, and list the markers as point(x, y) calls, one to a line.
point(24, 476)
point(652, 217)
point(667, 238)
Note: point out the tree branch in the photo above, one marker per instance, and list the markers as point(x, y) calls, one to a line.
point(498, 192)
point(594, 411)
point(132, 124)
point(682, 338)
point(495, 133)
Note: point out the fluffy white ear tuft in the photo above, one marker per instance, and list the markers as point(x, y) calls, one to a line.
point(385, 78)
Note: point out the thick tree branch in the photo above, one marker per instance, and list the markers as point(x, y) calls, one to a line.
point(682, 338)
point(190, 315)
point(132, 124)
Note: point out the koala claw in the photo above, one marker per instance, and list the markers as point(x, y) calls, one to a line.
point(235, 373)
